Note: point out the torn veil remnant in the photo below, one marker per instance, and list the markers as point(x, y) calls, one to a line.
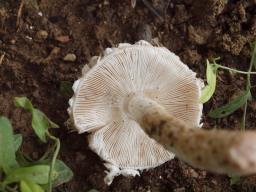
point(103, 101)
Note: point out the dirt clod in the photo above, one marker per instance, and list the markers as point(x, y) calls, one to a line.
point(198, 35)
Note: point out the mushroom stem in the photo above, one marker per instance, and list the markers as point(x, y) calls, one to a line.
point(219, 151)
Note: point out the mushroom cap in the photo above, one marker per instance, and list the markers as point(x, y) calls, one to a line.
point(140, 69)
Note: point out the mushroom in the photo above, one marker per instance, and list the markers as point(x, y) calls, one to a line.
point(137, 91)
point(103, 104)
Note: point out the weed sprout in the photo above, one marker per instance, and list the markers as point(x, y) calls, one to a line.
point(17, 168)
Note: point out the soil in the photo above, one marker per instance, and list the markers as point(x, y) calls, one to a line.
point(35, 38)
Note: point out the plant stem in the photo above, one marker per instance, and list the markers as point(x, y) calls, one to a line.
point(55, 154)
point(219, 151)
point(248, 86)
point(11, 189)
point(235, 70)
point(244, 116)
point(2, 187)
point(46, 154)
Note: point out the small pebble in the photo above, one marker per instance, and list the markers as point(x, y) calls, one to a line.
point(70, 57)
point(42, 34)
point(13, 41)
point(55, 51)
point(28, 37)
point(62, 39)
point(106, 2)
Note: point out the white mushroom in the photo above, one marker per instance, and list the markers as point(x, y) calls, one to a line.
point(102, 103)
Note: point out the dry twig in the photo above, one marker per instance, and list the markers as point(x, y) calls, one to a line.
point(153, 10)
point(19, 13)
point(2, 58)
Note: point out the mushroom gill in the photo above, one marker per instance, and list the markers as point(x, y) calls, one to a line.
point(101, 103)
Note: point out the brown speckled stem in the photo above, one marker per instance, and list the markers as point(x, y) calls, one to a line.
point(219, 151)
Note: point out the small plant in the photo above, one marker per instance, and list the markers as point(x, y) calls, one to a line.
point(232, 106)
point(208, 91)
point(20, 173)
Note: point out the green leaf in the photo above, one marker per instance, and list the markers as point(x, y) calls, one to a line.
point(23, 159)
point(24, 103)
point(66, 88)
point(41, 123)
point(30, 186)
point(231, 106)
point(37, 173)
point(233, 179)
point(62, 173)
point(211, 74)
point(7, 147)
point(17, 141)
point(24, 187)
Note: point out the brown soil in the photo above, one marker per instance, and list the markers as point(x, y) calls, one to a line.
point(33, 66)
